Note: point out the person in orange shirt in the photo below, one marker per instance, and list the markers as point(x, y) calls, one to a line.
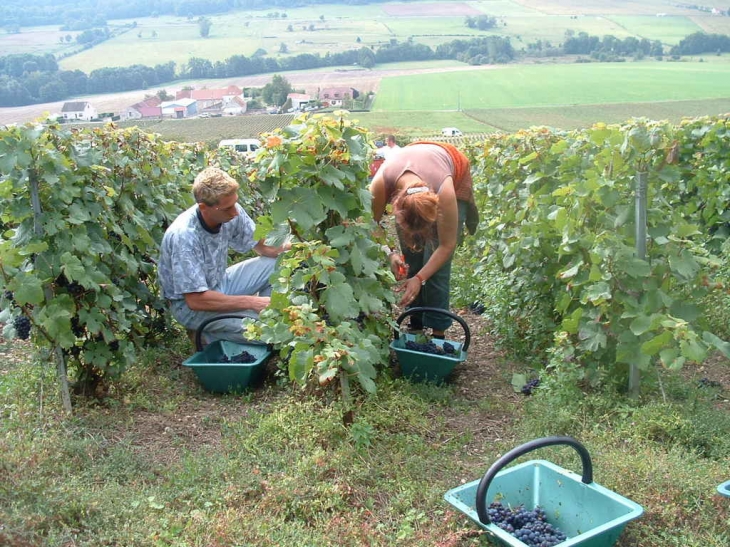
point(430, 187)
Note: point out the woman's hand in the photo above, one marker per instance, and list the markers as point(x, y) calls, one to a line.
point(411, 289)
point(398, 266)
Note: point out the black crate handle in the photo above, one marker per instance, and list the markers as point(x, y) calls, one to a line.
point(411, 311)
point(199, 332)
point(481, 500)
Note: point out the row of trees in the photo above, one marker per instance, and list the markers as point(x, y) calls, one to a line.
point(585, 44)
point(699, 42)
point(28, 79)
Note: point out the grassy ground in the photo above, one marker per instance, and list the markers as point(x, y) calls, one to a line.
point(556, 85)
point(577, 116)
point(162, 463)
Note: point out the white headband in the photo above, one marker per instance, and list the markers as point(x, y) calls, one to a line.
point(416, 190)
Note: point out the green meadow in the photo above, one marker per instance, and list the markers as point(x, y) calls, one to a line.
point(555, 84)
point(332, 27)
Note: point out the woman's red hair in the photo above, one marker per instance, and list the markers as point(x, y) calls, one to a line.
point(416, 214)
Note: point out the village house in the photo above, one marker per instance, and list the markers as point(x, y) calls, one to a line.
point(334, 96)
point(80, 110)
point(214, 100)
point(179, 108)
point(235, 107)
point(298, 100)
point(149, 108)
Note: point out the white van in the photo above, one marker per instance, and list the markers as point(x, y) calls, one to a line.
point(245, 146)
point(451, 132)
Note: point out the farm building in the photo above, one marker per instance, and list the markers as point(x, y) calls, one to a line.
point(179, 108)
point(235, 107)
point(298, 100)
point(149, 108)
point(211, 99)
point(334, 96)
point(79, 110)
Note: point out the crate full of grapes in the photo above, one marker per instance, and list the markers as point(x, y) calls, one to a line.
point(225, 367)
point(432, 360)
point(539, 504)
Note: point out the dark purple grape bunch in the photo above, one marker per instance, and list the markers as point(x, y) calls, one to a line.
point(243, 357)
point(529, 386)
point(529, 526)
point(430, 348)
point(706, 382)
point(22, 327)
point(477, 307)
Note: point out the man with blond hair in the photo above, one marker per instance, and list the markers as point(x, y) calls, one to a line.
point(193, 267)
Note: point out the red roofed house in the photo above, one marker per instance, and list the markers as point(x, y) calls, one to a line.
point(149, 108)
point(334, 96)
point(211, 99)
point(235, 106)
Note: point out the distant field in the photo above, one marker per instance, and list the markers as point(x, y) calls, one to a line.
point(211, 130)
point(712, 24)
point(577, 116)
point(556, 84)
point(596, 7)
point(477, 122)
point(162, 39)
point(668, 30)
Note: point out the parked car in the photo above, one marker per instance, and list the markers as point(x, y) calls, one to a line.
point(248, 147)
point(451, 132)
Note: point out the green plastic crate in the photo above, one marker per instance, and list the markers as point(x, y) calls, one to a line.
point(724, 489)
point(588, 513)
point(222, 377)
point(218, 377)
point(424, 367)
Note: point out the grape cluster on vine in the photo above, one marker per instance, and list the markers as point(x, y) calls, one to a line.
point(22, 327)
point(529, 526)
point(73, 287)
point(243, 357)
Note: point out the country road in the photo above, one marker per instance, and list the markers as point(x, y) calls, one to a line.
point(311, 81)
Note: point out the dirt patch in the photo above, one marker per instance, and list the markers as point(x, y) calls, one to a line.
point(445, 9)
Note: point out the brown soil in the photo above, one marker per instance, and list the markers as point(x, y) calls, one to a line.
point(361, 79)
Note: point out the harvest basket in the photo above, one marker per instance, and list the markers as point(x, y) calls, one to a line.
point(218, 376)
point(421, 367)
point(724, 489)
point(589, 514)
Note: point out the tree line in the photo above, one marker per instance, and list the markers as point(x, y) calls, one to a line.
point(585, 44)
point(31, 79)
point(69, 13)
point(699, 42)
